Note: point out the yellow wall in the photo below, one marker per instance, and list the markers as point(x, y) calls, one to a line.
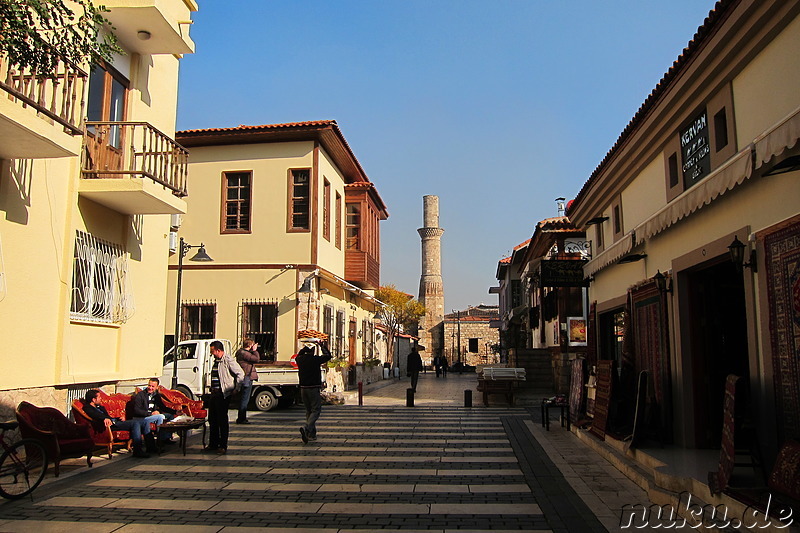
point(35, 197)
point(268, 242)
point(766, 90)
point(329, 255)
point(644, 195)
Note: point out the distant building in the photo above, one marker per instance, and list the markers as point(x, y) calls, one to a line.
point(292, 223)
point(469, 336)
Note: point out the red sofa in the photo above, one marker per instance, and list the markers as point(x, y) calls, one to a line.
point(182, 404)
point(61, 438)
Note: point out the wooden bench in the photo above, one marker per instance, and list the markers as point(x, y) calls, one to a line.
point(497, 380)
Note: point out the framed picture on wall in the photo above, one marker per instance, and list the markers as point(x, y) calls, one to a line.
point(576, 330)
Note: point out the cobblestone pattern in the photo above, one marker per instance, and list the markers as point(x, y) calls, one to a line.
point(440, 469)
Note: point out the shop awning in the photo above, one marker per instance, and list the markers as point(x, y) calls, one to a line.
point(780, 138)
point(610, 255)
point(732, 173)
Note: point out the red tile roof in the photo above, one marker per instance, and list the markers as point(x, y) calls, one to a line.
point(327, 132)
point(555, 225)
point(522, 245)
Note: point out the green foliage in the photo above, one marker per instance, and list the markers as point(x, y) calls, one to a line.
point(337, 362)
point(36, 34)
point(372, 361)
point(401, 312)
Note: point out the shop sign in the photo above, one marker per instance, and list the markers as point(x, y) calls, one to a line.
point(695, 151)
point(562, 273)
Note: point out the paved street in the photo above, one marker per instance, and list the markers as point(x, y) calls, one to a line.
point(435, 467)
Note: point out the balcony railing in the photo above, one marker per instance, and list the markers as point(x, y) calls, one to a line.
point(119, 149)
point(58, 97)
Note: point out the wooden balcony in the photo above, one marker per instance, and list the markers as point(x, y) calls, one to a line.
point(133, 168)
point(361, 269)
point(41, 113)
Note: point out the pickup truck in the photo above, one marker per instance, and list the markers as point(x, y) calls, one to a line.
point(277, 383)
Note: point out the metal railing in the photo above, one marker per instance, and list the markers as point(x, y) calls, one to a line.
point(58, 96)
point(118, 149)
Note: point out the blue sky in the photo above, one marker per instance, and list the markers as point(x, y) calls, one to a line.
point(498, 107)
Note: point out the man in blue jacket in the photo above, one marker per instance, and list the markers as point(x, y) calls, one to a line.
point(310, 377)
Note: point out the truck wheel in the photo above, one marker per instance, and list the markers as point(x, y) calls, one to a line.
point(185, 391)
point(265, 401)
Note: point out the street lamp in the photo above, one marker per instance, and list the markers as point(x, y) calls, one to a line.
point(201, 255)
point(305, 288)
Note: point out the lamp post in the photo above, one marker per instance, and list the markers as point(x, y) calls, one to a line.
point(201, 255)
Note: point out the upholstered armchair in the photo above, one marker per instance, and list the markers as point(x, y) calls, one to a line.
point(61, 438)
point(101, 435)
point(182, 404)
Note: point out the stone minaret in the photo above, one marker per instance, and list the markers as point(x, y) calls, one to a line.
point(431, 291)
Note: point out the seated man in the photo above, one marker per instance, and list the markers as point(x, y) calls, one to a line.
point(92, 406)
point(149, 405)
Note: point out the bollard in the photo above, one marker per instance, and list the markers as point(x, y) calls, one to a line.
point(360, 393)
point(468, 398)
point(409, 397)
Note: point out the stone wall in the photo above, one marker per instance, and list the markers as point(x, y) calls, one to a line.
point(471, 329)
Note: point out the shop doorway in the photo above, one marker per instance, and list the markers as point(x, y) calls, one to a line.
point(717, 342)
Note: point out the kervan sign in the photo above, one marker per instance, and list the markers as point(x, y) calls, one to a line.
point(695, 151)
point(563, 273)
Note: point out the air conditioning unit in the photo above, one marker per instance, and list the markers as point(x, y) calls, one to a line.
point(175, 221)
point(173, 241)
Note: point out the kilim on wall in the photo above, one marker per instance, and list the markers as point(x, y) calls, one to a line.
point(782, 258)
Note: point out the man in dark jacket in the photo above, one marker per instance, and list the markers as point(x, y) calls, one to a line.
point(247, 357)
point(92, 406)
point(414, 367)
point(310, 378)
point(149, 405)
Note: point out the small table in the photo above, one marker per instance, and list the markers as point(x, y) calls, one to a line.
point(547, 405)
point(182, 428)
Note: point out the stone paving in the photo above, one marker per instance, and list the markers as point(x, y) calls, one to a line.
point(437, 466)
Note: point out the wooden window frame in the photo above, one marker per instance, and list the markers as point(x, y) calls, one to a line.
point(338, 221)
point(326, 209)
point(721, 103)
point(673, 163)
point(224, 205)
point(359, 226)
point(617, 219)
point(290, 227)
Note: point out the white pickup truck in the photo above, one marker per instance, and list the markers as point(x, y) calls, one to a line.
point(276, 382)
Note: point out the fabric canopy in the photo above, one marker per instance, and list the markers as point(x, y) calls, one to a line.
point(609, 255)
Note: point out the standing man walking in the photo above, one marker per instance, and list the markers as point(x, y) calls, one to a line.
point(224, 377)
point(247, 356)
point(414, 367)
point(310, 377)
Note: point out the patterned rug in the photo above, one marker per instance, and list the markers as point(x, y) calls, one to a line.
point(782, 258)
point(652, 349)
